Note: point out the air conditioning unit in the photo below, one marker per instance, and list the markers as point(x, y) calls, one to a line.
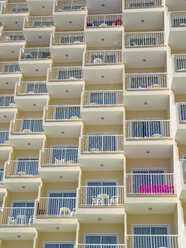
point(72, 78)
point(30, 92)
point(27, 131)
point(102, 25)
point(59, 161)
point(94, 150)
point(77, 42)
point(74, 118)
point(21, 173)
point(98, 61)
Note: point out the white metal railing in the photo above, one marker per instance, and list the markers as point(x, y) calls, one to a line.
point(56, 206)
point(101, 245)
point(146, 81)
point(101, 196)
point(183, 163)
point(102, 98)
point(103, 57)
point(144, 39)
point(4, 136)
point(9, 67)
point(39, 22)
point(151, 184)
point(27, 126)
point(59, 156)
point(22, 168)
point(180, 62)
point(65, 73)
point(182, 111)
point(135, 4)
point(106, 20)
point(32, 87)
point(65, 38)
point(152, 241)
point(70, 5)
point(7, 100)
point(178, 18)
point(16, 216)
point(12, 36)
point(1, 177)
point(102, 143)
point(15, 8)
point(151, 129)
point(62, 112)
point(35, 53)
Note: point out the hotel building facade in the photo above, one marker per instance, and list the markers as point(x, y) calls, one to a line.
point(93, 124)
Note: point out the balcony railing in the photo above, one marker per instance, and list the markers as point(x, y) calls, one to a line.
point(39, 22)
point(15, 8)
point(146, 81)
point(150, 184)
point(11, 36)
point(1, 177)
point(178, 18)
point(103, 57)
point(9, 68)
point(63, 112)
point(27, 126)
point(4, 136)
point(70, 5)
point(70, 38)
point(101, 196)
point(65, 156)
point(102, 144)
point(65, 74)
point(31, 88)
point(35, 54)
point(22, 168)
point(147, 129)
point(151, 241)
point(180, 62)
point(104, 98)
point(56, 207)
point(144, 39)
point(7, 101)
point(183, 163)
point(104, 21)
point(101, 245)
point(137, 4)
point(182, 111)
point(16, 216)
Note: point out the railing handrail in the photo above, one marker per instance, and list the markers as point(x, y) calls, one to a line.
point(119, 186)
point(62, 148)
point(69, 32)
point(146, 73)
point(16, 208)
point(178, 11)
point(179, 54)
point(5, 131)
point(12, 32)
point(181, 103)
point(6, 95)
point(10, 62)
point(100, 91)
point(48, 198)
point(107, 135)
point(147, 120)
point(36, 48)
point(101, 244)
point(95, 51)
point(32, 17)
point(152, 235)
point(162, 174)
point(146, 32)
point(26, 160)
point(28, 119)
point(62, 106)
point(105, 14)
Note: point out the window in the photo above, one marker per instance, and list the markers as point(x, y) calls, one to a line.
point(179, 21)
point(16, 37)
point(93, 240)
point(22, 212)
point(29, 166)
point(66, 74)
point(65, 39)
point(6, 100)
point(69, 7)
point(106, 58)
point(141, 4)
point(59, 245)
point(11, 68)
point(180, 63)
point(4, 136)
point(142, 41)
point(33, 125)
point(143, 81)
point(36, 88)
point(59, 200)
point(66, 112)
point(96, 188)
point(40, 23)
point(64, 154)
point(147, 177)
point(182, 112)
point(37, 55)
point(1, 173)
point(19, 9)
point(103, 98)
point(150, 240)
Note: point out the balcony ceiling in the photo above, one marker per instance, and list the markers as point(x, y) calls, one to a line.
point(104, 6)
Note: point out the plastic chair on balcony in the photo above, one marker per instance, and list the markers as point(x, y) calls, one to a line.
point(11, 220)
point(31, 219)
point(95, 201)
point(21, 219)
point(114, 200)
point(64, 212)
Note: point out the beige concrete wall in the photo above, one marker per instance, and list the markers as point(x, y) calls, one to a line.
point(29, 114)
point(103, 129)
point(66, 141)
point(6, 91)
point(130, 115)
point(101, 228)
point(24, 153)
point(17, 244)
point(65, 101)
point(50, 186)
point(182, 150)
point(143, 70)
point(19, 196)
point(184, 211)
point(4, 126)
point(103, 87)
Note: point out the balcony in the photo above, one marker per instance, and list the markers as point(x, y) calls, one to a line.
point(140, 4)
point(148, 47)
point(67, 46)
point(65, 82)
point(37, 29)
point(150, 241)
point(10, 44)
point(107, 26)
point(31, 93)
point(100, 65)
point(27, 134)
point(5, 147)
point(7, 108)
point(181, 122)
point(35, 61)
point(183, 179)
point(146, 87)
point(70, 14)
point(62, 121)
point(101, 150)
point(177, 28)
point(102, 106)
point(9, 74)
point(13, 15)
point(19, 172)
point(179, 73)
point(56, 210)
point(57, 163)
